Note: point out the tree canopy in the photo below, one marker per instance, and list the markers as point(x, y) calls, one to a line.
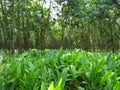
point(85, 24)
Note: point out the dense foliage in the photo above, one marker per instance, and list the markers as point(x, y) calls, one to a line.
point(59, 70)
point(86, 24)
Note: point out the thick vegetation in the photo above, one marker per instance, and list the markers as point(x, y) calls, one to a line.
point(30, 29)
point(86, 24)
point(59, 70)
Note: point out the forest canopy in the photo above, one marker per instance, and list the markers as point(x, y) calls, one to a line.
point(41, 24)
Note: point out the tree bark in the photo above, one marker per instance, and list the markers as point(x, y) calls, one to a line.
point(5, 24)
point(111, 34)
point(12, 29)
point(18, 39)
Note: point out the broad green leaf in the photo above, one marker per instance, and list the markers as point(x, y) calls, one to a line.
point(81, 88)
point(110, 62)
point(106, 76)
point(116, 86)
point(58, 87)
point(64, 77)
point(31, 66)
point(19, 70)
point(51, 87)
point(43, 86)
point(109, 84)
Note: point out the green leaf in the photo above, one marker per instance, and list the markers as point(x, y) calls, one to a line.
point(19, 70)
point(109, 84)
point(106, 76)
point(31, 66)
point(59, 85)
point(64, 77)
point(116, 86)
point(43, 86)
point(110, 62)
point(51, 87)
point(81, 88)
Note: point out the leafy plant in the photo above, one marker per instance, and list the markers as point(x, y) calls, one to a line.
point(67, 69)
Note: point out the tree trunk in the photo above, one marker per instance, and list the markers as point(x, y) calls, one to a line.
point(18, 39)
point(62, 37)
point(5, 24)
point(23, 28)
point(12, 29)
point(111, 34)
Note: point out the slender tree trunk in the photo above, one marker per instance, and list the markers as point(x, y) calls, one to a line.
point(12, 29)
point(87, 36)
point(119, 39)
point(26, 35)
point(23, 28)
point(0, 31)
point(42, 33)
point(97, 37)
point(118, 36)
point(111, 34)
point(37, 39)
point(93, 36)
point(4, 23)
point(62, 36)
point(44, 27)
point(18, 40)
point(48, 24)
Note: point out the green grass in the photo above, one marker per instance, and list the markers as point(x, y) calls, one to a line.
point(59, 70)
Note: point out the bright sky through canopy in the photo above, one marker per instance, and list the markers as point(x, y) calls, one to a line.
point(53, 10)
